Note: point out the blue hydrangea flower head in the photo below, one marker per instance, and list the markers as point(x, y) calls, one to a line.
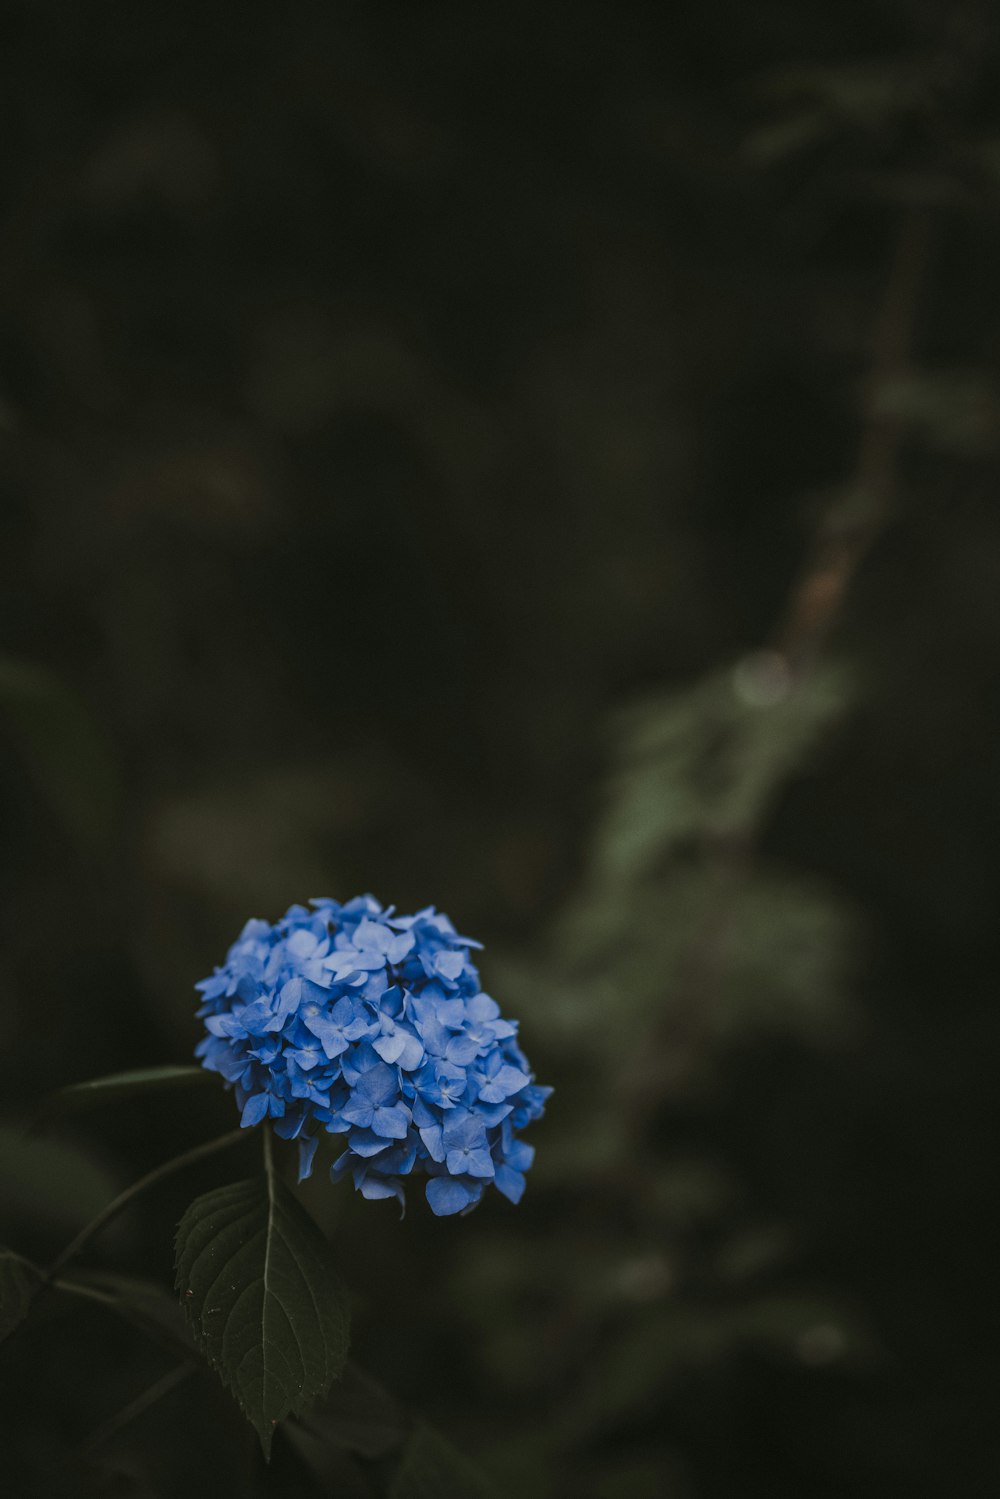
point(352, 1020)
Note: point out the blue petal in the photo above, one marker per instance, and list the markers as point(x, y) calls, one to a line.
point(358, 1111)
point(462, 1050)
point(375, 1187)
point(289, 997)
point(451, 1012)
point(255, 1110)
point(391, 1048)
point(431, 1137)
point(392, 1123)
point(509, 1080)
point(225, 1025)
point(342, 965)
point(449, 964)
point(398, 1161)
point(481, 1009)
point(520, 1155)
point(510, 1183)
point(446, 1195)
point(399, 947)
point(365, 1142)
point(422, 1115)
point(463, 1130)
point(342, 1165)
point(307, 1150)
point(378, 1084)
point(493, 1113)
point(357, 1062)
point(330, 1036)
point(412, 1054)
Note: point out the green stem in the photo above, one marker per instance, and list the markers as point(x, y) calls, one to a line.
point(94, 1227)
point(84, 1292)
point(131, 1312)
point(142, 1402)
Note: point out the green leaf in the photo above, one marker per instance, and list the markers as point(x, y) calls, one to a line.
point(120, 1085)
point(19, 1280)
point(431, 1468)
point(263, 1298)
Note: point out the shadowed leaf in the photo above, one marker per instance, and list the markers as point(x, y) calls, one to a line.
point(116, 1086)
point(263, 1298)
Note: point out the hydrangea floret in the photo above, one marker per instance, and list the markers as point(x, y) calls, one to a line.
point(355, 1021)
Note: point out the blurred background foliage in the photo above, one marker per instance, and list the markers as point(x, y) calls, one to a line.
point(542, 460)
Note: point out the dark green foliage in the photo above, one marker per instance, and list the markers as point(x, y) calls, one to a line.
point(120, 1085)
point(704, 765)
point(263, 1298)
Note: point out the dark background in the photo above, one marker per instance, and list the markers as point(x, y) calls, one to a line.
point(414, 423)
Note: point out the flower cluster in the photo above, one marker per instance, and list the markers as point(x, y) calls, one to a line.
point(351, 1019)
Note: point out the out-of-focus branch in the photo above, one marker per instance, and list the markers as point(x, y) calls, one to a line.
point(143, 1402)
point(848, 531)
point(844, 537)
point(108, 1214)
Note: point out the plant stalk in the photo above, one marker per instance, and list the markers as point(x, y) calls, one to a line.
point(118, 1204)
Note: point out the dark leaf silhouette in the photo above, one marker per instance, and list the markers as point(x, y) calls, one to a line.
point(263, 1298)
